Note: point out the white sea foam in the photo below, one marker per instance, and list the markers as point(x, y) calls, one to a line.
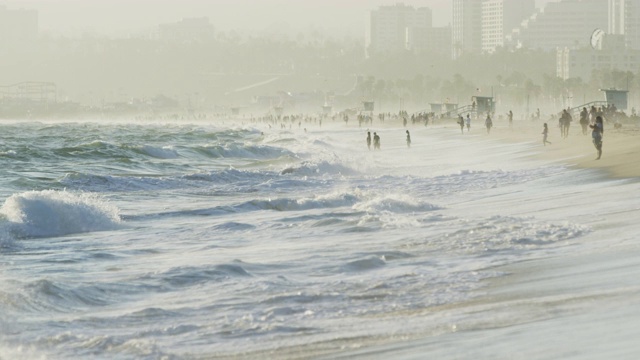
point(55, 213)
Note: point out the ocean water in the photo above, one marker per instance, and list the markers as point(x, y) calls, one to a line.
point(230, 239)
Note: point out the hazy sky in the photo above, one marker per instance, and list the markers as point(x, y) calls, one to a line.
point(118, 17)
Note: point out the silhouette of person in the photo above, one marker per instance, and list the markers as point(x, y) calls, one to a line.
point(596, 134)
point(376, 141)
point(408, 139)
point(545, 133)
point(369, 140)
point(488, 123)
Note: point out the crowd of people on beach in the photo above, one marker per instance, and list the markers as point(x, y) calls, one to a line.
point(592, 118)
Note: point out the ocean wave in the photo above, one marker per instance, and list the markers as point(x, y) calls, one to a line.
point(47, 213)
point(395, 204)
point(245, 151)
point(370, 263)
point(288, 204)
point(158, 152)
point(508, 234)
point(316, 168)
point(189, 276)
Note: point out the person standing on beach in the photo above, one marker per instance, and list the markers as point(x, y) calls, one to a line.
point(545, 133)
point(468, 121)
point(408, 139)
point(488, 123)
point(584, 120)
point(369, 140)
point(565, 123)
point(510, 114)
point(596, 134)
point(376, 141)
point(461, 123)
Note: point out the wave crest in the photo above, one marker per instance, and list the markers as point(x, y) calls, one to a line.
point(48, 213)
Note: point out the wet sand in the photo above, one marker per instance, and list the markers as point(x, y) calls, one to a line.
point(620, 154)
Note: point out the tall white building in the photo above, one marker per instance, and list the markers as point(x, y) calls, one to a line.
point(624, 19)
point(387, 28)
point(568, 23)
point(500, 18)
point(466, 32)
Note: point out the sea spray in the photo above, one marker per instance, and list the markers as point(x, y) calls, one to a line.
point(55, 213)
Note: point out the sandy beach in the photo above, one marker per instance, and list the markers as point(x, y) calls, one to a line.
point(621, 147)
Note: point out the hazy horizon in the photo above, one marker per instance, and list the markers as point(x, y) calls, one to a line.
point(121, 17)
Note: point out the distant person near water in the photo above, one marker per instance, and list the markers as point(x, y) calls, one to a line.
point(584, 120)
point(545, 133)
point(468, 122)
point(596, 134)
point(369, 139)
point(408, 139)
point(488, 123)
point(510, 115)
point(461, 123)
point(565, 123)
point(376, 142)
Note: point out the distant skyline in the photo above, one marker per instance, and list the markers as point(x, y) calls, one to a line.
point(122, 17)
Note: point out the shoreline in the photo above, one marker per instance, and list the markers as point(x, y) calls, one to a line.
point(621, 147)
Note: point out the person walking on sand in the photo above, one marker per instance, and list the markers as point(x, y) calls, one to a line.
point(510, 114)
point(545, 133)
point(584, 120)
point(488, 123)
point(408, 139)
point(376, 142)
point(468, 121)
point(461, 123)
point(369, 140)
point(596, 134)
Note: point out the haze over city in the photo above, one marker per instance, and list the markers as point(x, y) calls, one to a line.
point(120, 17)
point(223, 54)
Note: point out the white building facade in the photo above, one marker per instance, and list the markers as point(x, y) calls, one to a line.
point(500, 18)
point(624, 19)
point(466, 31)
point(387, 27)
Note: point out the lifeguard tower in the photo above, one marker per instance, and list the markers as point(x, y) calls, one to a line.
point(483, 104)
point(619, 98)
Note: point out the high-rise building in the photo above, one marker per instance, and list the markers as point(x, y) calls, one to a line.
point(500, 18)
point(466, 32)
point(568, 23)
point(387, 28)
point(624, 19)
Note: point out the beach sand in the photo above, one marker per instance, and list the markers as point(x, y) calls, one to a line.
point(620, 154)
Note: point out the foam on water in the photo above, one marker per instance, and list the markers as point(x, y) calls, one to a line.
point(56, 213)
